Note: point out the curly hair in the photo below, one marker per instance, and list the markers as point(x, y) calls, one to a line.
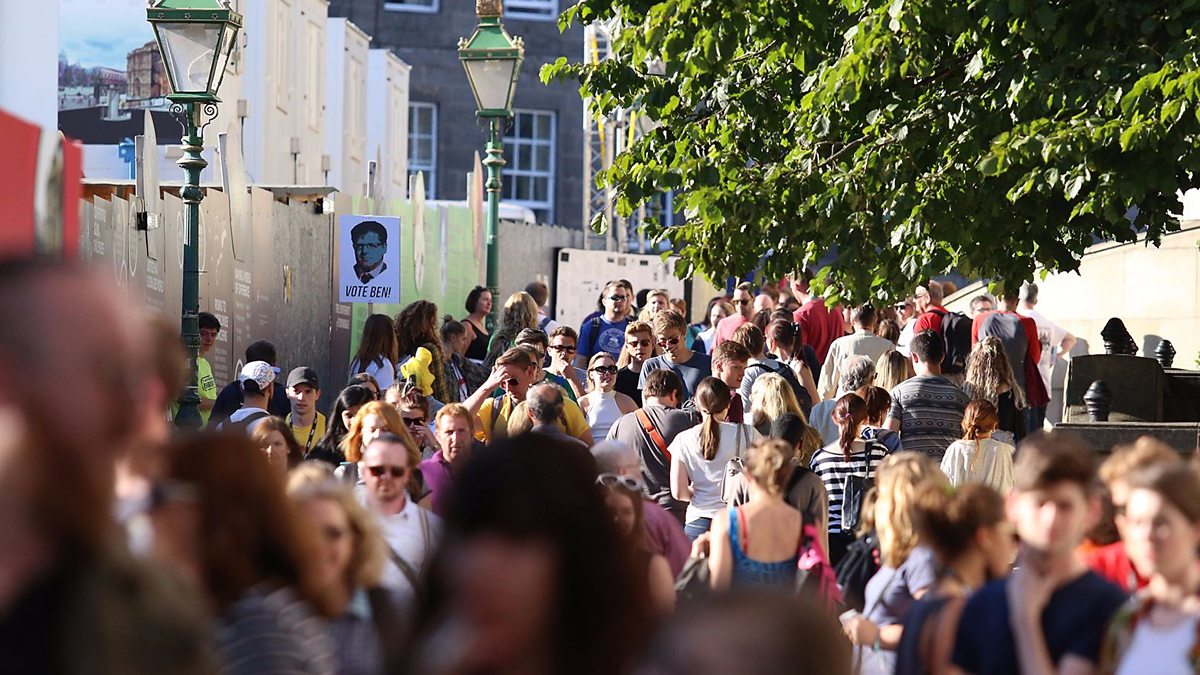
point(417, 326)
point(989, 374)
point(896, 482)
point(520, 312)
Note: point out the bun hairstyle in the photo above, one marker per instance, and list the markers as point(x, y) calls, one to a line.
point(849, 413)
point(769, 463)
point(712, 396)
point(979, 418)
point(473, 298)
point(946, 519)
point(451, 327)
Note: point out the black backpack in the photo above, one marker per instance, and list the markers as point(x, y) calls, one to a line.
point(243, 425)
point(956, 333)
point(785, 371)
point(856, 568)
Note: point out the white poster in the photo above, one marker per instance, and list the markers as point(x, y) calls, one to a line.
point(369, 259)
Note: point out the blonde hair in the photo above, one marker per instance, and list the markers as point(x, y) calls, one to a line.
point(1142, 453)
point(351, 444)
point(892, 368)
point(989, 373)
point(455, 410)
point(633, 328)
point(896, 481)
point(771, 397)
point(769, 463)
point(308, 483)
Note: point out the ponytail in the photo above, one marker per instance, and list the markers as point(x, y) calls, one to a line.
point(712, 396)
point(787, 334)
point(979, 418)
point(849, 412)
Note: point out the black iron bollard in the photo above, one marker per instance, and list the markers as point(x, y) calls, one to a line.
point(1165, 353)
point(1098, 401)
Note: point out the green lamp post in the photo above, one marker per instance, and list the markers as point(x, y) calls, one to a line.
point(195, 38)
point(492, 59)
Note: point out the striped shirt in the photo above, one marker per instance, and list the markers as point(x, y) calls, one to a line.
point(930, 410)
point(831, 466)
point(273, 632)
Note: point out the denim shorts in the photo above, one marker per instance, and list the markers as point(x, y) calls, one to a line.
point(697, 527)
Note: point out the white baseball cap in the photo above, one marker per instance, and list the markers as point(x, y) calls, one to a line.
point(259, 372)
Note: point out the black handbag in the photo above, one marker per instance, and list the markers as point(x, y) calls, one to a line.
point(856, 568)
point(693, 580)
point(854, 492)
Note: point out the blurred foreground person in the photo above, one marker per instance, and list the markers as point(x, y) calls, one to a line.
point(222, 520)
point(623, 497)
point(750, 633)
point(366, 627)
point(528, 512)
point(71, 599)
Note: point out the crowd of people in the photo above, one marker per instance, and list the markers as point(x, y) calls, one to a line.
point(783, 487)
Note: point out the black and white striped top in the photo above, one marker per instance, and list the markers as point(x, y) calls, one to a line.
point(831, 466)
point(273, 632)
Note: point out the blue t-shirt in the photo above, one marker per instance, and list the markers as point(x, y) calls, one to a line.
point(1074, 622)
point(692, 371)
point(610, 337)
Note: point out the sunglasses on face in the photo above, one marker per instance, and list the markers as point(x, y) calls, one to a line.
point(668, 341)
point(613, 479)
point(415, 421)
point(743, 301)
point(395, 471)
point(617, 298)
point(638, 343)
point(605, 370)
point(509, 383)
point(563, 349)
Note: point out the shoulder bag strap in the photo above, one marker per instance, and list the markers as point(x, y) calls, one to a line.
point(405, 568)
point(653, 433)
point(427, 554)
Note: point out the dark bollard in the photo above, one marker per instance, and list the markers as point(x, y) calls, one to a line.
point(1117, 339)
point(1098, 401)
point(1165, 353)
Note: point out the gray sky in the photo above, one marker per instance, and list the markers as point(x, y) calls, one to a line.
point(101, 32)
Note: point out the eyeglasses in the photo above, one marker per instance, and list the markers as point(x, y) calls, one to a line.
point(415, 421)
point(668, 341)
point(639, 343)
point(605, 370)
point(563, 349)
point(618, 298)
point(395, 471)
point(614, 479)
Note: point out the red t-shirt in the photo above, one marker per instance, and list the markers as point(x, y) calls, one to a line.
point(930, 320)
point(813, 318)
point(727, 327)
point(1111, 563)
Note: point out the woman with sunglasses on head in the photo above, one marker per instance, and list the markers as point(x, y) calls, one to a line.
point(639, 348)
point(373, 419)
point(345, 407)
point(623, 496)
point(603, 405)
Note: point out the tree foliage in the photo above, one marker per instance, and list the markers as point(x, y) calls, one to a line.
point(910, 137)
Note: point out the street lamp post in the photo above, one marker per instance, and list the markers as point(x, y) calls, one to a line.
point(492, 59)
point(195, 38)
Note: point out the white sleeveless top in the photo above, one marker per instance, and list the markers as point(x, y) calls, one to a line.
point(1159, 651)
point(602, 413)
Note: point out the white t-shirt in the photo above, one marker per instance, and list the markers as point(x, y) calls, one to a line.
point(706, 474)
point(1050, 335)
point(412, 541)
point(988, 461)
point(241, 414)
point(383, 371)
point(1159, 651)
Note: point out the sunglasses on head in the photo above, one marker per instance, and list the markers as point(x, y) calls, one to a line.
point(613, 480)
point(395, 471)
point(605, 370)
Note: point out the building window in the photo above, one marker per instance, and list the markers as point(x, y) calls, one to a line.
point(529, 151)
point(422, 144)
point(537, 10)
point(427, 6)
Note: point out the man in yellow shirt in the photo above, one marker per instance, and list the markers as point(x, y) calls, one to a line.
point(515, 372)
point(303, 390)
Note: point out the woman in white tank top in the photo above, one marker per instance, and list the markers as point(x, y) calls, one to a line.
point(602, 406)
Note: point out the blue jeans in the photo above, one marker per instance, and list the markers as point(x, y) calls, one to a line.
point(697, 527)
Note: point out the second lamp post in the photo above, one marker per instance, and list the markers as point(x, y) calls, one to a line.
point(492, 59)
